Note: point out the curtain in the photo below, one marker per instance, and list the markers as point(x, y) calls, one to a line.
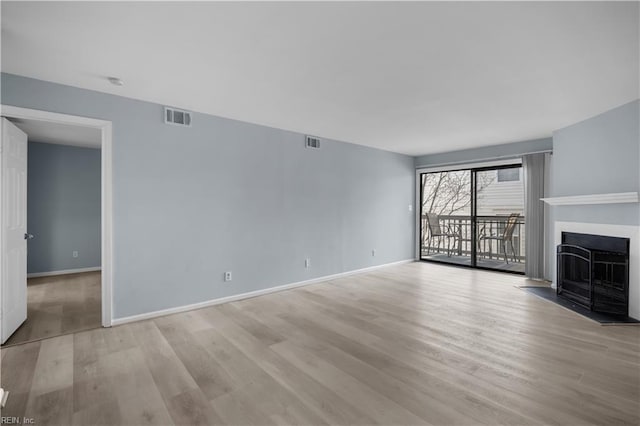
point(533, 165)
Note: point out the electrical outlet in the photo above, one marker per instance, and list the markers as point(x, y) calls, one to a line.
point(410, 207)
point(307, 262)
point(74, 254)
point(373, 252)
point(227, 276)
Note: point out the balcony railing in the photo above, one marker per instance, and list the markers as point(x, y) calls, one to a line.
point(460, 243)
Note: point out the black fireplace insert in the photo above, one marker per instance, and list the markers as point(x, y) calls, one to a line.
point(593, 271)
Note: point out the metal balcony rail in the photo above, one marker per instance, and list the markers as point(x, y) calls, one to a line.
point(460, 245)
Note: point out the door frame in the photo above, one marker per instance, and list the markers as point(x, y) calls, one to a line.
point(106, 151)
point(487, 165)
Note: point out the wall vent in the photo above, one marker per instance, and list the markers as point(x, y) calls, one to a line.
point(312, 142)
point(177, 117)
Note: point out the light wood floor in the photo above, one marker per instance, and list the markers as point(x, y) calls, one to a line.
point(60, 304)
point(412, 344)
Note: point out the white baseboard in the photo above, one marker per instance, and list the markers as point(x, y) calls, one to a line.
point(235, 297)
point(63, 272)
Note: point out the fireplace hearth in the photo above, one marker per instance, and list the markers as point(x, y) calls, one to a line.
point(593, 271)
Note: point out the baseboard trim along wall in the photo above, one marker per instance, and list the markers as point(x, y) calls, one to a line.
point(235, 297)
point(64, 272)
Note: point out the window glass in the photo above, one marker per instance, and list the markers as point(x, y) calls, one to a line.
point(509, 175)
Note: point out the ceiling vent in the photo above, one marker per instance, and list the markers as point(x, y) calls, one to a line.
point(177, 117)
point(312, 142)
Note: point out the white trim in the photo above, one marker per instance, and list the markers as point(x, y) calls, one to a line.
point(63, 272)
point(107, 189)
point(476, 165)
point(51, 117)
point(235, 297)
point(107, 224)
point(3, 397)
point(576, 200)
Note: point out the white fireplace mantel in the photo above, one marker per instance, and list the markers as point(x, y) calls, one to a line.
point(610, 198)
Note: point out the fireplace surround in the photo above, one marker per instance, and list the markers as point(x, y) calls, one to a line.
point(615, 230)
point(593, 271)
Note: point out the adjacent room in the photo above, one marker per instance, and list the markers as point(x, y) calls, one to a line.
point(313, 213)
point(63, 213)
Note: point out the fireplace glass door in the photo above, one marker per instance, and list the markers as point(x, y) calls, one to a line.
point(593, 271)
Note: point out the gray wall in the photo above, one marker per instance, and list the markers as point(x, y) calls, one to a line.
point(63, 207)
point(493, 152)
point(191, 203)
point(597, 155)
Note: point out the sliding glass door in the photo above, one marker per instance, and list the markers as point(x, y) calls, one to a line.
point(446, 213)
point(499, 215)
point(474, 217)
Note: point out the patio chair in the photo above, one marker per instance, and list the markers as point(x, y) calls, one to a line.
point(436, 231)
point(506, 237)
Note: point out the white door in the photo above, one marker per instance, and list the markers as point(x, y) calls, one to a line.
point(13, 232)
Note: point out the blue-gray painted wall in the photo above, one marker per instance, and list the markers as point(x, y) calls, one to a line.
point(595, 156)
point(598, 155)
point(63, 207)
point(223, 195)
point(493, 152)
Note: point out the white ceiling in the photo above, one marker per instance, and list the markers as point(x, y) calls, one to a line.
point(411, 77)
point(60, 134)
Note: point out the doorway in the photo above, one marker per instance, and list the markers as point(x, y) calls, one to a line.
point(473, 217)
point(69, 285)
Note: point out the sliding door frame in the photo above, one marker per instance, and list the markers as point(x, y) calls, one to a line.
point(473, 169)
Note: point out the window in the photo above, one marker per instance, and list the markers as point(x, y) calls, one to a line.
point(509, 175)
